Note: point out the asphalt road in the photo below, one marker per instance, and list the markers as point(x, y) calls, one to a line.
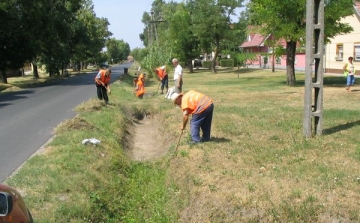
point(28, 117)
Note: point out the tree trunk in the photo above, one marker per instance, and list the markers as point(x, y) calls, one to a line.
point(191, 68)
point(213, 65)
point(290, 61)
point(273, 60)
point(35, 71)
point(3, 77)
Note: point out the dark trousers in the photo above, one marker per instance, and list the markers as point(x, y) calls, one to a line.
point(202, 121)
point(102, 93)
point(165, 83)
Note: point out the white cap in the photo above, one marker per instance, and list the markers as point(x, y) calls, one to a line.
point(174, 96)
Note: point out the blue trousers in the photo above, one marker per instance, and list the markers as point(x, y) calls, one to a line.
point(201, 121)
point(350, 80)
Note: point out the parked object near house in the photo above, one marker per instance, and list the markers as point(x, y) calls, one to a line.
point(197, 63)
point(12, 206)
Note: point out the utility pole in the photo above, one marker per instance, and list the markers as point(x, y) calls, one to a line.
point(313, 107)
point(153, 28)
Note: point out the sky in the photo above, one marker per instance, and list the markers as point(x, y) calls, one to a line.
point(124, 17)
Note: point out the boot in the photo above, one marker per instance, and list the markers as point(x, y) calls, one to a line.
point(162, 91)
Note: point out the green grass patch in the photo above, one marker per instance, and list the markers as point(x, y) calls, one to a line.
point(258, 167)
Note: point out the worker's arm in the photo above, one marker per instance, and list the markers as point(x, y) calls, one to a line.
point(184, 122)
point(179, 81)
point(185, 119)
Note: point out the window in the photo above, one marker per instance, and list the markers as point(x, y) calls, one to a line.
point(357, 52)
point(339, 52)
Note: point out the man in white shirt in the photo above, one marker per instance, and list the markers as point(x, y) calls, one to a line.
point(177, 75)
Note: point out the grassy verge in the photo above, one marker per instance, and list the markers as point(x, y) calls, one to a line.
point(257, 168)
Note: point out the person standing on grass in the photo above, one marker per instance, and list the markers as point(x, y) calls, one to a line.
point(163, 76)
point(178, 73)
point(201, 108)
point(140, 86)
point(349, 72)
point(102, 82)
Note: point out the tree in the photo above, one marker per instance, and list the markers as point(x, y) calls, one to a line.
point(91, 34)
point(71, 32)
point(14, 44)
point(185, 44)
point(156, 36)
point(287, 20)
point(212, 23)
point(117, 50)
point(139, 53)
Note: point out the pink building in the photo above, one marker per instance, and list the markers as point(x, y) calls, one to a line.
point(258, 44)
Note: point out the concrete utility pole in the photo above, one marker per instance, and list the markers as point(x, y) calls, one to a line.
point(313, 107)
point(153, 28)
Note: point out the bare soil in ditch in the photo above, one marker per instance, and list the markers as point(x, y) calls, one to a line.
point(147, 138)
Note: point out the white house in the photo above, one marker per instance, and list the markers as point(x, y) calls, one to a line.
point(344, 46)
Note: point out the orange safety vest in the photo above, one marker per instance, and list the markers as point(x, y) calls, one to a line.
point(103, 78)
point(161, 73)
point(195, 102)
point(140, 86)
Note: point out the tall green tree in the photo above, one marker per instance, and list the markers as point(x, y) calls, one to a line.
point(156, 35)
point(117, 50)
point(90, 35)
point(15, 49)
point(212, 23)
point(287, 20)
point(185, 45)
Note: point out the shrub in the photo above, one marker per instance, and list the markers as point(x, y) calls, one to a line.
point(207, 64)
point(227, 62)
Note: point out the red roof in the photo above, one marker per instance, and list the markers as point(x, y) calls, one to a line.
point(255, 40)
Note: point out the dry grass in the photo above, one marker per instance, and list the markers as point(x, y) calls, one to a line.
point(259, 167)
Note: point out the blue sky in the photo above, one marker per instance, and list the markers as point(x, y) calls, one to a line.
point(124, 17)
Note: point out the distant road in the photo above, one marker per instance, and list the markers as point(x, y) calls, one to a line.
point(28, 117)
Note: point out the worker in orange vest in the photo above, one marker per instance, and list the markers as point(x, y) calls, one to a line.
point(140, 86)
point(102, 82)
point(163, 76)
point(201, 108)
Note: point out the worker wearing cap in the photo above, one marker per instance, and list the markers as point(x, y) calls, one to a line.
point(140, 86)
point(102, 82)
point(201, 108)
point(163, 76)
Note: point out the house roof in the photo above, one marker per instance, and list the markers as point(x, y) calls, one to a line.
point(255, 40)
